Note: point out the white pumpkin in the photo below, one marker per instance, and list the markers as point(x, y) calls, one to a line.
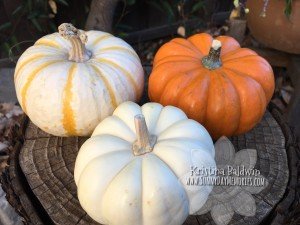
point(69, 81)
point(126, 176)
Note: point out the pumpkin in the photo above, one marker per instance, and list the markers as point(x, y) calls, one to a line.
point(214, 81)
point(69, 81)
point(132, 169)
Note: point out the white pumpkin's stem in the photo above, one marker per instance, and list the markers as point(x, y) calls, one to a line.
point(212, 60)
point(144, 142)
point(78, 52)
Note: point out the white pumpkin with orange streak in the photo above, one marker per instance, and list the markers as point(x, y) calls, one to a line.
point(68, 82)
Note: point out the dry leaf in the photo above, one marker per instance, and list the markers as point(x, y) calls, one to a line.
point(3, 146)
point(181, 31)
point(150, 56)
point(225, 28)
point(3, 162)
point(16, 111)
point(3, 122)
point(6, 107)
point(179, 8)
point(278, 103)
point(235, 13)
point(53, 6)
point(286, 96)
point(288, 88)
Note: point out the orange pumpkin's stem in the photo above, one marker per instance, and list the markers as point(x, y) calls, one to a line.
point(78, 52)
point(212, 60)
point(144, 142)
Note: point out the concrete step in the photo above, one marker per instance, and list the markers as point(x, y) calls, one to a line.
point(7, 87)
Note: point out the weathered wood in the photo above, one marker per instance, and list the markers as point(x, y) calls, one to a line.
point(288, 210)
point(294, 106)
point(48, 164)
point(237, 29)
point(7, 92)
point(101, 15)
point(161, 31)
point(14, 183)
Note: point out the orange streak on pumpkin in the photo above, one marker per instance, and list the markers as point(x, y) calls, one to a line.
point(118, 48)
point(27, 60)
point(107, 85)
point(68, 113)
point(48, 43)
point(30, 78)
point(99, 39)
point(137, 91)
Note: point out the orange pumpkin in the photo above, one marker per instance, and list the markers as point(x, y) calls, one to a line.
point(216, 82)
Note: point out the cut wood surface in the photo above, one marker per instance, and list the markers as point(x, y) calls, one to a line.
point(48, 164)
point(40, 183)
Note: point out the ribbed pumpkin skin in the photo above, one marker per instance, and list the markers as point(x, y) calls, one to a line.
point(229, 100)
point(146, 189)
point(67, 98)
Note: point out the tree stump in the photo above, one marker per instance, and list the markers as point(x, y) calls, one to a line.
point(48, 164)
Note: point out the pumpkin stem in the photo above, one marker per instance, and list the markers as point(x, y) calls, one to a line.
point(78, 52)
point(144, 142)
point(212, 60)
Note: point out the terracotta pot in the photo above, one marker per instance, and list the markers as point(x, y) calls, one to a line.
point(275, 30)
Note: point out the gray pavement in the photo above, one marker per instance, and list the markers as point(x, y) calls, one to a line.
point(7, 87)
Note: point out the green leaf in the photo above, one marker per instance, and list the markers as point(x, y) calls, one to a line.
point(155, 5)
point(196, 7)
point(32, 15)
point(124, 27)
point(17, 10)
point(15, 43)
point(130, 2)
point(6, 47)
point(63, 2)
point(36, 24)
point(29, 5)
point(44, 16)
point(169, 10)
point(122, 34)
point(5, 25)
point(52, 26)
